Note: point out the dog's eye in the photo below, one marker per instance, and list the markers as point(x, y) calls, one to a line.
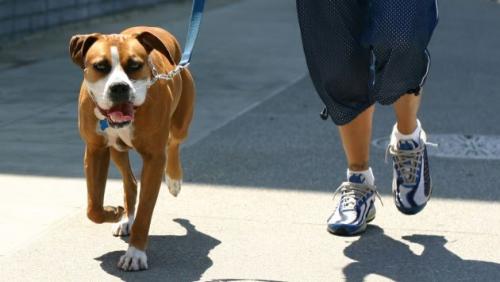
point(133, 66)
point(102, 67)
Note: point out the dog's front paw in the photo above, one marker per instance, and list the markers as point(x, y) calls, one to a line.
point(174, 186)
point(133, 260)
point(123, 227)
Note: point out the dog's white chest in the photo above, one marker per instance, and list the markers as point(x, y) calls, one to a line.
point(117, 137)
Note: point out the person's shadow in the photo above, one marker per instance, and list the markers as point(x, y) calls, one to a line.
point(377, 253)
point(170, 258)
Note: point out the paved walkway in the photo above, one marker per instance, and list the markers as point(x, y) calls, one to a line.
point(260, 165)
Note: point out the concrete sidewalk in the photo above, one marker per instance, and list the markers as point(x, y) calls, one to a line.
point(260, 165)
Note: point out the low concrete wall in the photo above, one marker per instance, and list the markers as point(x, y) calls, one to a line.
point(21, 17)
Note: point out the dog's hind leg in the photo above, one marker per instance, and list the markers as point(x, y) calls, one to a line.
point(121, 160)
point(96, 163)
point(174, 168)
point(178, 133)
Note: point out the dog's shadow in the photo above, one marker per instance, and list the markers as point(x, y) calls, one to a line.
point(170, 258)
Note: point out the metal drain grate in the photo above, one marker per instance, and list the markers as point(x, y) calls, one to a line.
point(458, 146)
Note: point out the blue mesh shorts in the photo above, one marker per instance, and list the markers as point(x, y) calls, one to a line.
point(364, 51)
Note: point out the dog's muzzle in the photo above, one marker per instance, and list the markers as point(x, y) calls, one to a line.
point(122, 111)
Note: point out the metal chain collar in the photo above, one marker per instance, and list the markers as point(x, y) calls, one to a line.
point(165, 76)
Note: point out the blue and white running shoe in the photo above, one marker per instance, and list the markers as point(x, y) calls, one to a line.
point(355, 209)
point(411, 184)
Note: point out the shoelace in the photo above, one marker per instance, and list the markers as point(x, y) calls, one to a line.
point(407, 162)
point(352, 192)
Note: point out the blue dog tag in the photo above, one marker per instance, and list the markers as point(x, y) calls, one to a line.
point(103, 123)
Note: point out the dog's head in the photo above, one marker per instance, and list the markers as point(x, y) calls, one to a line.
point(116, 70)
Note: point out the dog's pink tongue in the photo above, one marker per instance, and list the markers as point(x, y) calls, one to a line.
point(121, 113)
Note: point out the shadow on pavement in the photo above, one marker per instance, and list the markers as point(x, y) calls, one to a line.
point(283, 144)
point(170, 258)
point(280, 144)
point(377, 253)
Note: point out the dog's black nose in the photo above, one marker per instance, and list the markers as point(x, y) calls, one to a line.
point(119, 92)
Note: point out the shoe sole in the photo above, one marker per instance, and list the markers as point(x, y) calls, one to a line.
point(345, 231)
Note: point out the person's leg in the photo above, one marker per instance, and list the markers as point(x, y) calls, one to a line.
point(340, 70)
point(406, 109)
point(356, 137)
point(399, 33)
point(411, 181)
point(356, 207)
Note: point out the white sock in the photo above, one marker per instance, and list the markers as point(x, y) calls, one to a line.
point(367, 174)
point(396, 136)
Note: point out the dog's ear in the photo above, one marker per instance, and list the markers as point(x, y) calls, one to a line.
point(79, 45)
point(152, 42)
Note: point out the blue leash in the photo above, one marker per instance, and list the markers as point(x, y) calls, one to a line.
point(194, 28)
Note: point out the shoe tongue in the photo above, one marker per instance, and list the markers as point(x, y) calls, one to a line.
point(357, 178)
point(408, 145)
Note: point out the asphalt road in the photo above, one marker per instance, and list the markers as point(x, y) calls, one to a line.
point(260, 166)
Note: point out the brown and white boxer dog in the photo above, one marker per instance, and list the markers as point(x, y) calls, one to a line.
point(138, 112)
